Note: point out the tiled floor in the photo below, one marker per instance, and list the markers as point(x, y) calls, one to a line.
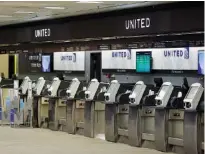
point(42, 141)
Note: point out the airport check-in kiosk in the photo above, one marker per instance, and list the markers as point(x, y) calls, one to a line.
point(94, 111)
point(169, 117)
point(56, 106)
point(75, 107)
point(50, 93)
point(116, 111)
point(194, 120)
point(37, 95)
point(60, 107)
point(141, 113)
point(23, 113)
point(43, 102)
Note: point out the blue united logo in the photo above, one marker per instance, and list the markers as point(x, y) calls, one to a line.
point(69, 57)
point(122, 54)
point(177, 53)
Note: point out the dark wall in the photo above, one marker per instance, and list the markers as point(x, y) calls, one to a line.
point(167, 19)
point(164, 19)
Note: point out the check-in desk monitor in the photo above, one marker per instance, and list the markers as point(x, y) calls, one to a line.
point(73, 88)
point(92, 89)
point(164, 94)
point(24, 86)
point(110, 95)
point(193, 96)
point(39, 86)
point(137, 93)
point(52, 91)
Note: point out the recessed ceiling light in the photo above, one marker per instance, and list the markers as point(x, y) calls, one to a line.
point(22, 12)
point(55, 7)
point(89, 2)
point(5, 16)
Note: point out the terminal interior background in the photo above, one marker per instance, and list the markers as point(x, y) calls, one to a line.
point(103, 41)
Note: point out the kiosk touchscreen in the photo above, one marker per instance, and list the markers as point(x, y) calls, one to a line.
point(165, 92)
point(137, 93)
point(193, 96)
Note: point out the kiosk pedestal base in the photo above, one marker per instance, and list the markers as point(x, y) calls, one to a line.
point(134, 126)
point(70, 116)
point(75, 117)
point(111, 122)
point(148, 127)
point(192, 136)
point(43, 112)
point(52, 115)
point(175, 130)
point(161, 136)
point(89, 119)
point(60, 111)
point(94, 119)
point(122, 123)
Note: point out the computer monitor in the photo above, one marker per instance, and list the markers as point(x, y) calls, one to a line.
point(46, 63)
point(201, 62)
point(143, 62)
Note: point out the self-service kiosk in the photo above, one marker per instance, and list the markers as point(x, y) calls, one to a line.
point(54, 103)
point(37, 95)
point(74, 107)
point(42, 103)
point(51, 97)
point(194, 120)
point(94, 111)
point(23, 114)
point(60, 106)
point(141, 113)
point(169, 117)
point(116, 111)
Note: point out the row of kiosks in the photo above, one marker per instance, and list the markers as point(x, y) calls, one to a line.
point(159, 116)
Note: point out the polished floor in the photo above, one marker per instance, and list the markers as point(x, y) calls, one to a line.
point(42, 141)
